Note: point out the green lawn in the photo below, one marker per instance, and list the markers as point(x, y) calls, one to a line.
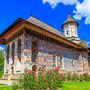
point(5, 87)
point(66, 86)
point(76, 86)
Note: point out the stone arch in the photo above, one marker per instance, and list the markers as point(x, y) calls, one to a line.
point(13, 51)
point(19, 50)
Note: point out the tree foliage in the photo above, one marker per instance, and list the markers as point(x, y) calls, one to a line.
point(1, 63)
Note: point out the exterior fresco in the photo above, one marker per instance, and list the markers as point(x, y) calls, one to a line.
point(72, 60)
point(37, 44)
point(46, 53)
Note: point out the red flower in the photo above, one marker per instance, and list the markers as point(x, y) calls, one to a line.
point(43, 66)
point(45, 81)
point(33, 72)
point(85, 73)
point(56, 68)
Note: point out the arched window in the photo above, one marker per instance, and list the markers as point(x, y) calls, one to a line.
point(54, 60)
point(13, 51)
point(67, 32)
point(19, 50)
point(34, 50)
point(62, 61)
point(8, 50)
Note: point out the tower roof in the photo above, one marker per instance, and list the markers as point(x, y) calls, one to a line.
point(69, 20)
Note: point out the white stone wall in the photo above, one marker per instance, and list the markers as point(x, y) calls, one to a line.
point(18, 66)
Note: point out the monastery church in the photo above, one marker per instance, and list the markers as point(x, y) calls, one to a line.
point(31, 43)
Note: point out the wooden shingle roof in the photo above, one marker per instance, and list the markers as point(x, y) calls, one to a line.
point(45, 26)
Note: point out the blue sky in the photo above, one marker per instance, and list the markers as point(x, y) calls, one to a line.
point(52, 12)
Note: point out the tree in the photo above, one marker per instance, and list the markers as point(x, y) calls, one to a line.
point(1, 63)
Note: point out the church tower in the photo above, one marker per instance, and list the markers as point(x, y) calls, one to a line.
point(70, 29)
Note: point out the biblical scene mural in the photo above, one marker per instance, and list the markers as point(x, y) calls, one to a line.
point(44, 52)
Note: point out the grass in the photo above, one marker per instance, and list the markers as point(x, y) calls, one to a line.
point(5, 87)
point(66, 86)
point(76, 86)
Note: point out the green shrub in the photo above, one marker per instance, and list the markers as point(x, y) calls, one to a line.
point(76, 77)
point(45, 79)
point(50, 79)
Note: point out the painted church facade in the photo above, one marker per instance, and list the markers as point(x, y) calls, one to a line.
point(33, 42)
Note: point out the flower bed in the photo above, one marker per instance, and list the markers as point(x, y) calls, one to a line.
point(45, 80)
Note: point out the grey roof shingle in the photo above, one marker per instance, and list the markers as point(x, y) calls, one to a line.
point(51, 29)
point(45, 26)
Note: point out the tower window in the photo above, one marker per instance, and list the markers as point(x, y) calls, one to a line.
point(75, 31)
point(67, 32)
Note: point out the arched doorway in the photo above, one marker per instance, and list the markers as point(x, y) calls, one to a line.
point(34, 68)
point(12, 70)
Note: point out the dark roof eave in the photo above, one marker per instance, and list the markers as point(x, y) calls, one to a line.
point(11, 26)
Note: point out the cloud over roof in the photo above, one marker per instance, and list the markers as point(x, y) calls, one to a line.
point(81, 9)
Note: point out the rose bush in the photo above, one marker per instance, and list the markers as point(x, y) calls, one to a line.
point(50, 79)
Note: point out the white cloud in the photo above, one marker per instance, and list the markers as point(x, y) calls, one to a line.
point(82, 10)
point(1, 48)
point(88, 42)
point(54, 3)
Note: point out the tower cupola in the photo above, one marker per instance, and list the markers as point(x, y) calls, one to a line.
point(70, 29)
